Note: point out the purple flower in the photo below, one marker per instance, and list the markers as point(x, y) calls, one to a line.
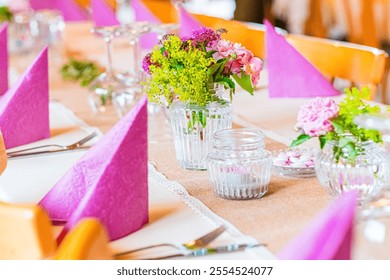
point(147, 61)
point(203, 36)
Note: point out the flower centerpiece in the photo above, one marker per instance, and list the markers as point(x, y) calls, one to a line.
point(193, 76)
point(350, 158)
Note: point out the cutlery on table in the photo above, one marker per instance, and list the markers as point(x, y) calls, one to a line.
point(60, 148)
point(190, 245)
point(210, 251)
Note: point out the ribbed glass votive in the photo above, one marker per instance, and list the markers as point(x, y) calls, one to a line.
point(238, 166)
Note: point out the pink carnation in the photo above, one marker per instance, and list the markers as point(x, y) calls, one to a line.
point(253, 69)
point(314, 117)
point(224, 49)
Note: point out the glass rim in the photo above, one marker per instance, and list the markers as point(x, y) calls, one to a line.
point(230, 138)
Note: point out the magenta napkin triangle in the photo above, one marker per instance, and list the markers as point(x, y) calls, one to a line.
point(70, 10)
point(102, 14)
point(328, 236)
point(24, 108)
point(110, 182)
point(3, 59)
point(42, 4)
point(142, 13)
point(289, 73)
point(187, 23)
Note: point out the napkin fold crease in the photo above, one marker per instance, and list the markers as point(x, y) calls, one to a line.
point(110, 182)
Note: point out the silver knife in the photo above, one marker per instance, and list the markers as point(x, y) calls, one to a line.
point(210, 251)
point(27, 154)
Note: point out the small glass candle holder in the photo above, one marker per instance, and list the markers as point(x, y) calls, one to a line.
point(238, 166)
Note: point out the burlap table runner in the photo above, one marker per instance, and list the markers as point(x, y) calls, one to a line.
point(273, 219)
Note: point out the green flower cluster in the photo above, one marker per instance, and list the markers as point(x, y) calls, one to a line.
point(179, 70)
point(347, 134)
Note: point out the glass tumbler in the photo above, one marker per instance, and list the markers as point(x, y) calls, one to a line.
point(238, 166)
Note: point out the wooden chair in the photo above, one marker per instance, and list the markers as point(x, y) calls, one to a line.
point(361, 65)
point(3, 155)
point(26, 232)
point(87, 241)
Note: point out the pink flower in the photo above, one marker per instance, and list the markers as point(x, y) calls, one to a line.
point(224, 49)
point(243, 56)
point(253, 69)
point(314, 117)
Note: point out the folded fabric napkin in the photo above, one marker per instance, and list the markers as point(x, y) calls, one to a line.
point(102, 14)
point(24, 108)
point(328, 236)
point(110, 182)
point(142, 13)
point(187, 23)
point(69, 9)
point(3, 59)
point(289, 73)
point(42, 4)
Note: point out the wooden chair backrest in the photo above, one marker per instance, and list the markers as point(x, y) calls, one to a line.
point(361, 65)
point(26, 232)
point(87, 241)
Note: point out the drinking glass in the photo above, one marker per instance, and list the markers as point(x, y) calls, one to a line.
point(47, 26)
point(21, 39)
point(107, 85)
point(372, 237)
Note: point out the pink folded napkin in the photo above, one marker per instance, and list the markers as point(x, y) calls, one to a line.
point(187, 23)
point(289, 73)
point(142, 13)
point(42, 4)
point(24, 108)
point(68, 8)
point(3, 59)
point(328, 236)
point(102, 14)
point(110, 182)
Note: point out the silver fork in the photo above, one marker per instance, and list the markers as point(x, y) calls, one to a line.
point(73, 146)
point(190, 245)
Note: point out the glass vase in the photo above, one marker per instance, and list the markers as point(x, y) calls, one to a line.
point(367, 174)
point(239, 167)
point(193, 127)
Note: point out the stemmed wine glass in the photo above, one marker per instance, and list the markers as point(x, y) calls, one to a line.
point(107, 84)
point(133, 32)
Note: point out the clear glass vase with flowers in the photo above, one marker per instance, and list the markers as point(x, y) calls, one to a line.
point(196, 77)
point(350, 157)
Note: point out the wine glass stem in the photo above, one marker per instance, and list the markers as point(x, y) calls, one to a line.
point(109, 50)
point(136, 54)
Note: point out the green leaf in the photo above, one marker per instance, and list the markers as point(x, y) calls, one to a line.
point(227, 81)
point(337, 125)
point(244, 82)
point(301, 139)
point(323, 139)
